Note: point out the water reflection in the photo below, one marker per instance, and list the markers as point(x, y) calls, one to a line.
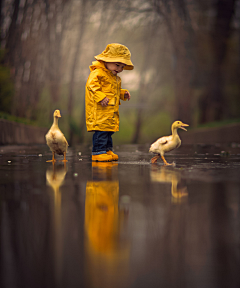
point(55, 176)
point(127, 233)
point(106, 249)
point(165, 174)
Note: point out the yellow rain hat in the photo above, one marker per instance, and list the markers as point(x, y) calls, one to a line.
point(116, 53)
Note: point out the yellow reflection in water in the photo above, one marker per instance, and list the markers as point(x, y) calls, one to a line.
point(107, 253)
point(165, 174)
point(55, 176)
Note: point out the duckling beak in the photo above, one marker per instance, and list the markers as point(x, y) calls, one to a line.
point(184, 125)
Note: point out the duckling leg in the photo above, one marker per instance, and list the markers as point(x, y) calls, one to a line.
point(154, 159)
point(164, 160)
point(53, 158)
point(64, 160)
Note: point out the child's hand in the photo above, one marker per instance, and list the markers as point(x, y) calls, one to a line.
point(104, 102)
point(127, 95)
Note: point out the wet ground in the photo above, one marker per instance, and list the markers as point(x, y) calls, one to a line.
point(124, 224)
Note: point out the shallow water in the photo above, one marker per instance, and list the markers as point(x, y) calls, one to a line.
point(123, 224)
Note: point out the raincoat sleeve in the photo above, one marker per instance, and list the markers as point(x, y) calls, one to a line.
point(94, 86)
point(122, 91)
point(122, 94)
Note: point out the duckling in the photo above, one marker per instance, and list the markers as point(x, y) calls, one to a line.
point(167, 143)
point(56, 140)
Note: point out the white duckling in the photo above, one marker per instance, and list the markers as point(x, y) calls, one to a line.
point(56, 141)
point(167, 143)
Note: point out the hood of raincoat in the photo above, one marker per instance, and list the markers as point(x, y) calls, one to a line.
point(116, 53)
point(98, 64)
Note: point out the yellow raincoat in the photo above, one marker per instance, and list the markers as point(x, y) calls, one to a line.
point(102, 83)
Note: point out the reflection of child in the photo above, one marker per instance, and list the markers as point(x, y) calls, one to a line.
point(103, 94)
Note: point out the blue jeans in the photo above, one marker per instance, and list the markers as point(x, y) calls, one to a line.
point(102, 142)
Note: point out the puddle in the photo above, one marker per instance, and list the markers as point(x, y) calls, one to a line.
point(121, 224)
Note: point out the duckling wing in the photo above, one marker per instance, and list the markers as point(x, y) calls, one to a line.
point(171, 143)
point(61, 140)
point(163, 140)
point(65, 140)
point(157, 146)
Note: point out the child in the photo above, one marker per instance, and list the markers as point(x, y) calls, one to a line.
point(103, 94)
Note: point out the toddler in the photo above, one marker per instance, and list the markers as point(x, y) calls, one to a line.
point(103, 94)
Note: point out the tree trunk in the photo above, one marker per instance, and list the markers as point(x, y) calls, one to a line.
point(183, 90)
point(176, 17)
point(212, 103)
point(82, 19)
point(138, 124)
point(1, 2)
point(149, 36)
point(54, 45)
point(13, 35)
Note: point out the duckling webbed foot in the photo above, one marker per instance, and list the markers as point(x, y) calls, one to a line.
point(154, 159)
point(53, 158)
point(64, 160)
point(165, 162)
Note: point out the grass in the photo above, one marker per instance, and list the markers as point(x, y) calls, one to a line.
point(219, 123)
point(12, 118)
point(126, 128)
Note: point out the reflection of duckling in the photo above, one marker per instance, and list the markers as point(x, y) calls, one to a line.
point(167, 143)
point(55, 176)
point(165, 175)
point(56, 140)
point(178, 192)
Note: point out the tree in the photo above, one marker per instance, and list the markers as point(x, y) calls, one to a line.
point(56, 22)
point(176, 17)
point(6, 86)
point(75, 62)
point(212, 102)
point(144, 88)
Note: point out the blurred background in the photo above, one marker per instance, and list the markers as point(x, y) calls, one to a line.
point(185, 52)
